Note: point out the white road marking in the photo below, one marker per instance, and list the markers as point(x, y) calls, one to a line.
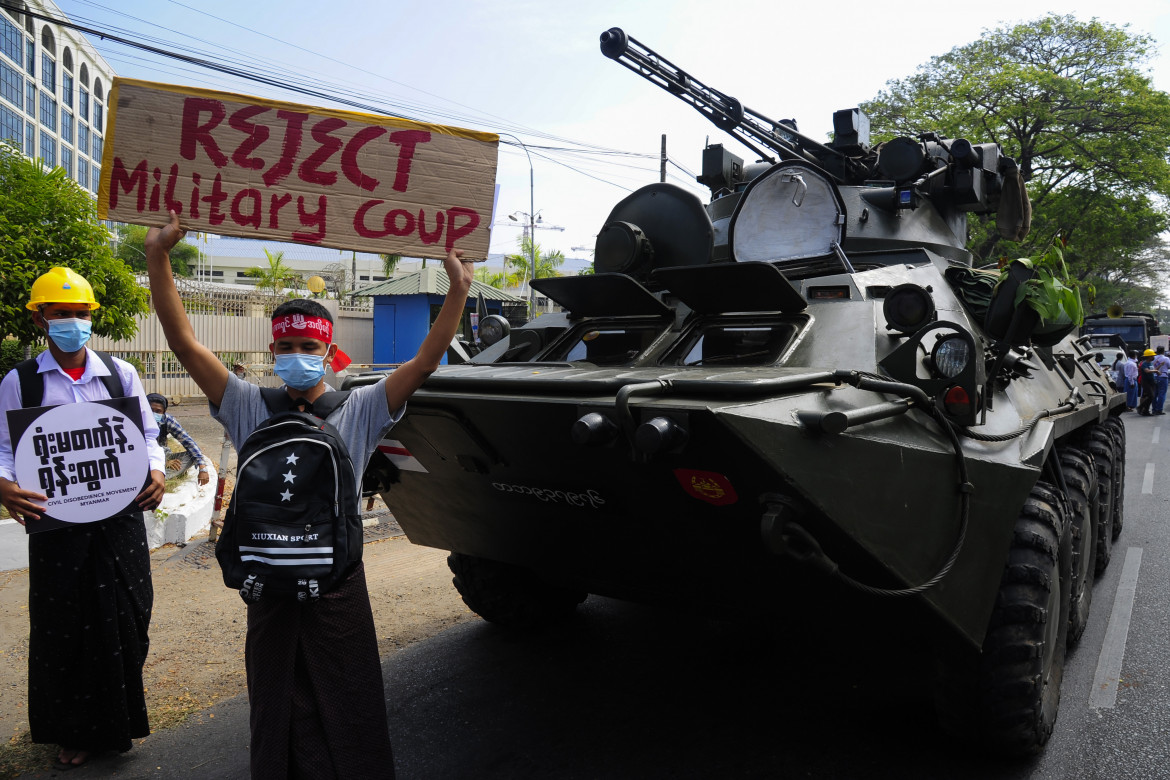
point(1148, 479)
point(1157, 433)
point(1108, 677)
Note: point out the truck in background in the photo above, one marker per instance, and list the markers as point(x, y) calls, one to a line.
point(1136, 328)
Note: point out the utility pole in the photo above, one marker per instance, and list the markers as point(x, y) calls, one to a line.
point(662, 162)
point(531, 238)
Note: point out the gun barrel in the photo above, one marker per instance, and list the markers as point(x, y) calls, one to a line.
point(752, 128)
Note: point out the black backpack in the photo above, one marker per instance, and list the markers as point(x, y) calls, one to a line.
point(294, 525)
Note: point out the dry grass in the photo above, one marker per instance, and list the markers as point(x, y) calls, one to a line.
point(21, 756)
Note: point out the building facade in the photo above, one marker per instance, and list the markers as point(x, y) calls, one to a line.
point(227, 259)
point(53, 91)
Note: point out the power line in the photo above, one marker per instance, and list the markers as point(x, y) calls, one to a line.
point(681, 167)
point(399, 108)
point(198, 61)
point(583, 173)
point(259, 71)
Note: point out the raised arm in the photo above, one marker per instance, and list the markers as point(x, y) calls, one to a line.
point(410, 375)
point(200, 362)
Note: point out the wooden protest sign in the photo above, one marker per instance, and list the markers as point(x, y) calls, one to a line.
point(257, 168)
point(88, 458)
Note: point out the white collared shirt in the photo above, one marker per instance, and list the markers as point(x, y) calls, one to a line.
point(61, 389)
point(1162, 363)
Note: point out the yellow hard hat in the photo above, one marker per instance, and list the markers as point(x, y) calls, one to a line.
point(1148, 353)
point(61, 285)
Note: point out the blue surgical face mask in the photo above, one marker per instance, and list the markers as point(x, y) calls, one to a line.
point(157, 417)
point(300, 371)
point(70, 335)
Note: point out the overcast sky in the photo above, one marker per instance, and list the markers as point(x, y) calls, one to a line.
point(534, 70)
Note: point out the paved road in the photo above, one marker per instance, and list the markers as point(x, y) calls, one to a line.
point(630, 692)
point(1131, 738)
point(626, 692)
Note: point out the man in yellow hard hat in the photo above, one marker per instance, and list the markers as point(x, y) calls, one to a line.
point(90, 592)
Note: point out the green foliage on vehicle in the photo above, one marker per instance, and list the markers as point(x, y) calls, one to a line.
point(1051, 292)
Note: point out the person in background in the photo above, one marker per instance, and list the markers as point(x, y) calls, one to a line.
point(1117, 371)
point(1133, 382)
point(1133, 385)
point(89, 587)
point(1161, 379)
point(169, 425)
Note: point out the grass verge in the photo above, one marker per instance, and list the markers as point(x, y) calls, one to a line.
point(22, 756)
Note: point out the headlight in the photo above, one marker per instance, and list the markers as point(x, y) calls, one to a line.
point(908, 308)
point(493, 328)
point(950, 356)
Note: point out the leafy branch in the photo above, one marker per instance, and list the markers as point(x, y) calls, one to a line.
point(1051, 292)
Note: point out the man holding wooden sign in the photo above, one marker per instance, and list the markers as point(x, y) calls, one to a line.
point(178, 159)
point(315, 686)
point(257, 168)
point(86, 439)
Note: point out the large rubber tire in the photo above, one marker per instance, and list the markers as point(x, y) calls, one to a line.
point(1116, 425)
point(508, 595)
point(1103, 443)
point(1080, 479)
point(1117, 428)
point(1022, 663)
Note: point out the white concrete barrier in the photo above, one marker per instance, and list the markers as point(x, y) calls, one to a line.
point(13, 546)
point(185, 512)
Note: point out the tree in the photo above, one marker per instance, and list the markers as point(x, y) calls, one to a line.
point(129, 248)
point(47, 220)
point(546, 264)
point(1137, 284)
point(491, 278)
point(390, 264)
point(1109, 235)
point(1072, 102)
point(276, 276)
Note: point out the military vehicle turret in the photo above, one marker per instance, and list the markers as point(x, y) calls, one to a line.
point(797, 398)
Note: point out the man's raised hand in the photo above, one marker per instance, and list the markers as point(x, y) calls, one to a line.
point(459, 271)
point(166, 237)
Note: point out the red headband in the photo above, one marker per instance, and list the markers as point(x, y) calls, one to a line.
point(300, 325)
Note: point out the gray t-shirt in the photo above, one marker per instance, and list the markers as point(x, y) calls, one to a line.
point(362, 421)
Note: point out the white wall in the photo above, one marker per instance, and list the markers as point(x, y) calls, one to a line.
point(242, 338)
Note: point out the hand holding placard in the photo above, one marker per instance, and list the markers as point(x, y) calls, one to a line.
point(21, 504)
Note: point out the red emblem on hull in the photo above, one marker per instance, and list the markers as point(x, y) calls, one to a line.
point(707, 486)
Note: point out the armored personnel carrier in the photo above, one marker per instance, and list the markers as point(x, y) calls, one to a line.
point(797, 398)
